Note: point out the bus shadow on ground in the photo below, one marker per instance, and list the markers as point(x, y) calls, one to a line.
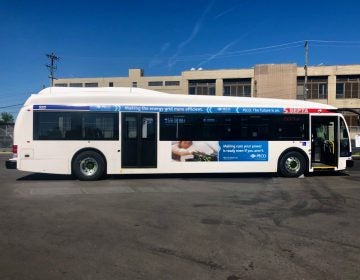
point(46, 177)
point(193, 176)
point(56, 177)
point(327, 174)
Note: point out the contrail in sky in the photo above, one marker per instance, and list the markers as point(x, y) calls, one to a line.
point(223, 50)
point(228, 10)
point(156, 60)
point(173, 59)
point(220, 52)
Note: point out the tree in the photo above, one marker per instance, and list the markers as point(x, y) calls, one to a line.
point(6, 117)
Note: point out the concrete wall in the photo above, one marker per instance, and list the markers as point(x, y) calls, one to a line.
point(276, 80)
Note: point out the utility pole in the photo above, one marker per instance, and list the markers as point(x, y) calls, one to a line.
point(306, 68)
point(52, 66)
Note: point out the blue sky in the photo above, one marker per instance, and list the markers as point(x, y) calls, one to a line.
point(106, 38)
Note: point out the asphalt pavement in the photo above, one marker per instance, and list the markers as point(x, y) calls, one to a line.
point(180, 227)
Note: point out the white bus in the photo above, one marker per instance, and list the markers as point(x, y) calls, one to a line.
point(91, 132)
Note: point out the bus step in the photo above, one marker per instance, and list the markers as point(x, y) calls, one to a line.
point(323, 167)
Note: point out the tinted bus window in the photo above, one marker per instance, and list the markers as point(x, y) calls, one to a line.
point(291, 127)
point(233, 127)
point(76, 126)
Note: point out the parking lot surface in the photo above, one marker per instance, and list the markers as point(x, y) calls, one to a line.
point(180, 227)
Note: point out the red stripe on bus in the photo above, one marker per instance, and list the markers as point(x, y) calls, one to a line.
point(304, 110)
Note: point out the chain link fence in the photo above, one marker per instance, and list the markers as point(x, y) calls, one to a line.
point(6, 135)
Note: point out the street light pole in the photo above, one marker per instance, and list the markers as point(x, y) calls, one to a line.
point(306, 68)
point(52, 66)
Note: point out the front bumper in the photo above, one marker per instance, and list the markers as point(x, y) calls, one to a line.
point(10, 164)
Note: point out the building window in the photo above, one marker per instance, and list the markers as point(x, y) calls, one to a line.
point(76, 84)
point(351, 120)
point(340, 90)
point(202, 87)
point(172, 83)
point(348, 86)
point(155, 84)
point(111, 84)
point(60, 85)
point(237, 87)
point(316, 87)
point(322, 91)
point(91, 84)
point(300, 91)
point(134, 84)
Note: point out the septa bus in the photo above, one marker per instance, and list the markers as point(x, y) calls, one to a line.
point(91, 132)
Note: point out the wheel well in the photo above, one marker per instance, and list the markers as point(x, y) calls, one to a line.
point(295, 150)
point(86, 150)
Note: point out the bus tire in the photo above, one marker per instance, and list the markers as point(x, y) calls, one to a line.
point(88, 166)
point(292, 164)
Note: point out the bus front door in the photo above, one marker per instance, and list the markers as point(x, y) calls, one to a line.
point(324, 142)
point(139, 140)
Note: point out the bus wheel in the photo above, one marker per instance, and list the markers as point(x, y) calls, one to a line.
point(88, 166)
point(292, 164)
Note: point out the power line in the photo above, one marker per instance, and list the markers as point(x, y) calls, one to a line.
point(242, 53)
point(226, 55)
point(12, 112)
point(52, 66)
point(246, 51)
point(333, 41)
point(9, 106)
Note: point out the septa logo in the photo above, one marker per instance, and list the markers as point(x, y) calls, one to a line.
point(296, 111)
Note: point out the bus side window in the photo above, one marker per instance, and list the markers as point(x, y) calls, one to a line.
point(131, 127)
point(93, 133)
point(148, 128)
point(290, 127)
point(74, 133)
point(55, 133)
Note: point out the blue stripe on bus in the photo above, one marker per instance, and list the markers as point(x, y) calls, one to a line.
point(61, 107)
point(164, 109)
